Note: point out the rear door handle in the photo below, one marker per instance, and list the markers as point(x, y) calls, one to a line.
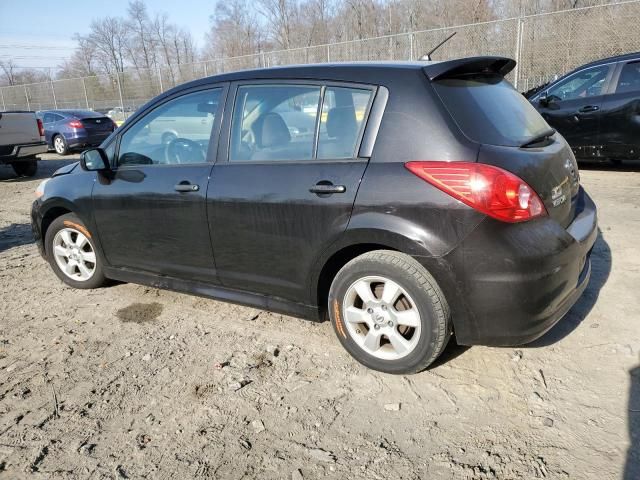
point(327, 188)
point(589, 108)
point(186, 187)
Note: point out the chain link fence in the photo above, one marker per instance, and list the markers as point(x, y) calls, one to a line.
point(545, 47)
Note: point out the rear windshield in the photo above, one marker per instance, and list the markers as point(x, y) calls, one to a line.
point(489, 110)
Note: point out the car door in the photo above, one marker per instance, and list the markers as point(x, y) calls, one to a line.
point(572, 105)
point(48, 122)
point(287, 185)
point(151, 211)
point(620, 131)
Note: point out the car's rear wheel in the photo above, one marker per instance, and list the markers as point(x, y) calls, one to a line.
point(72, 254)
point(389, 312)
point(26, 168)
point(60, 145)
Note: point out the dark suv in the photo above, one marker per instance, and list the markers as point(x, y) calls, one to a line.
point(597, 108)
point(406, 201)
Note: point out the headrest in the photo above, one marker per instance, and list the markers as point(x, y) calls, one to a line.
point(270, 131)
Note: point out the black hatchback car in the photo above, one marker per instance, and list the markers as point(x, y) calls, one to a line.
point(406, 201)
point(597, 108)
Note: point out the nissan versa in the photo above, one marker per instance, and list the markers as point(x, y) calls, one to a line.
point(406, 201)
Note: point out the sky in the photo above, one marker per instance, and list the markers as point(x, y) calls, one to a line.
point(40, 33)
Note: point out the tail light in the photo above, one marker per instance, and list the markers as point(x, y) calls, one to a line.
point(40, 127)
point(488, 189)
point(75, 124)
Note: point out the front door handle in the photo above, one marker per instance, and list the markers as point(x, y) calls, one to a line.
point(589, 108)
point(327, 188)
point(186, 187)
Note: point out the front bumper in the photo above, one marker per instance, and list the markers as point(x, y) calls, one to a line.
point(518, 280)
point(24, 152)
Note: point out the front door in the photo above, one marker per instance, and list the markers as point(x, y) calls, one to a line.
point(151, 211)
point(573, 105)
point(288, 187)
point(620, 131)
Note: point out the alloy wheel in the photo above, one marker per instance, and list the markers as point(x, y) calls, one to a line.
point(74, 254)
point(58, 145)
point(381, 317)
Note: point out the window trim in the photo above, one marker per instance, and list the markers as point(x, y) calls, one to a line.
point(618, 73)
point(606, 89)
point(159, 102)
point(225, 136)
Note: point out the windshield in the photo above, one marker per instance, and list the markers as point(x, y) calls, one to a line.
point(489, 110)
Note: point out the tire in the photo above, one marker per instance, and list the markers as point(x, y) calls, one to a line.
point(25, 168)
point(60, 145)
point(417, 319)
point(66, 231)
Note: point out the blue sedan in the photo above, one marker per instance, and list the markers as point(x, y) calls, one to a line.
point(66, 130)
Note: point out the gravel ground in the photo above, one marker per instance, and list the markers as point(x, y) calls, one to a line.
point(133, 382)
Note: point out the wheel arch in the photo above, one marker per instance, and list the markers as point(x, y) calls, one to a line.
point(53, 210)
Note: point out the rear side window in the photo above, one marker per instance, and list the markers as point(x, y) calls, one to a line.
point(629, 78)
point(489, 110)
point(343, 113)
point(274, 122)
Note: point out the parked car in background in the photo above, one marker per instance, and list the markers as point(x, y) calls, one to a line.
point(21, 139)
point(597, 108)
point(415, 200)
point(66, 130)
point(118, 115)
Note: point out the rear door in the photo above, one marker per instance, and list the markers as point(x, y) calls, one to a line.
point(151, 211)
point(286, 187)
point(620, 130)
point(573, 106)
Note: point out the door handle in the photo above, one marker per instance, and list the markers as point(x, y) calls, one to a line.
point(186, 187)
point(589, 108)
point(327, 188)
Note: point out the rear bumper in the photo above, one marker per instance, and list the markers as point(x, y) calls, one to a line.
point(24, 152)
point(80, 140)
point(518, 280)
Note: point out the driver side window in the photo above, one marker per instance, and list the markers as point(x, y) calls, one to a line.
point(177, 132)
point(584, 84)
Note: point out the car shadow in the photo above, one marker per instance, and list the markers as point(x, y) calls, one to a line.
point(601, 262)
point(15, 235)
point(632, 463)
point(45, 170)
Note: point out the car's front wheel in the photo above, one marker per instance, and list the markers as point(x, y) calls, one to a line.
point(72, 254)
point(389, 312)
point(60, 145)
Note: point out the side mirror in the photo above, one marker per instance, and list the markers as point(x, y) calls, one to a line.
point(94, 160)
point(544, 99)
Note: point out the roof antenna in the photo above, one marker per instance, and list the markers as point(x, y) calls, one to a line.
point(427, 57)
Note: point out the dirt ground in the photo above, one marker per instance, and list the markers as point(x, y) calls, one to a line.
point(133, 382)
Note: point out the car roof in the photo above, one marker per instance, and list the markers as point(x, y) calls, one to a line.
point(617, 58)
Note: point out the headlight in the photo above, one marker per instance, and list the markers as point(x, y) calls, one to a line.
point(40, 189)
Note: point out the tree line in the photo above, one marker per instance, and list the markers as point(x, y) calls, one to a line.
point(145, 40)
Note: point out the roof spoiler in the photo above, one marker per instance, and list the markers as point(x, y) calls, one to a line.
point(465, 66)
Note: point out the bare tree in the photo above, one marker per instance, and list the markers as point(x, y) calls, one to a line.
point(8, 71)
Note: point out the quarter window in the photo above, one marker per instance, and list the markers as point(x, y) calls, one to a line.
point(343, 114)
point(629, 78)
point(177, 132)
point(584, 84)
point(274, 122)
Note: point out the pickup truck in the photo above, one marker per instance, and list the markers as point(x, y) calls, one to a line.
point(21, 139)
